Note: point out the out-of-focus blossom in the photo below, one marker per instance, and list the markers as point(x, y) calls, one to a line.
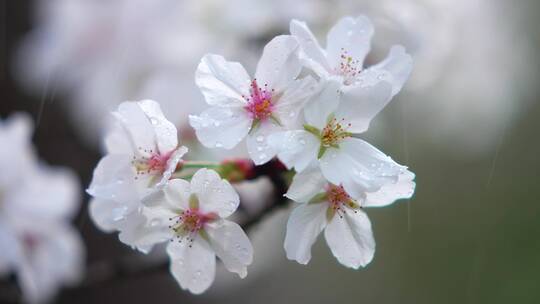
point(142, 154)
point(348, 43)
point(191, 215)
point(325, 206)
point(256, 108)
point(37, 203)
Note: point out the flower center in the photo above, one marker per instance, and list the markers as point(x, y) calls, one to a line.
point(190, 222)
point(338, 198)
point(154, 163)
point(259, 104)
point(348, 67)
point(333, 133)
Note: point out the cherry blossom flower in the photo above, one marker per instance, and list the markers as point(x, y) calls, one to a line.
point(326, 206)
point(327, 140)
point(142, 153)
point(348, 43)
point(256, 108)
point(191, 216)
point(37, 203)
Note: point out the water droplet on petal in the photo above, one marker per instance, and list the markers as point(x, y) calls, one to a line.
point(260, 138)
point(218, 144)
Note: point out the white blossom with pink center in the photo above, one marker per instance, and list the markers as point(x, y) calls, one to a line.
point(347, 44)
point(191, 217)
point(142, 153)
point(328, 207)
point(255, 108)
point(329, 140)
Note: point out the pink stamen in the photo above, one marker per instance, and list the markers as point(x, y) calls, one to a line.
point(259, 104)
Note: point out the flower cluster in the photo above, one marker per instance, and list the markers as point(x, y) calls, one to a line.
point(312, 126)
point(305, 106)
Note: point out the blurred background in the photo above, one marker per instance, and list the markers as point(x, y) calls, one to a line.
point(467, 123)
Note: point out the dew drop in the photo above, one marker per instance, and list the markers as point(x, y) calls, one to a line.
point(218, 144)
point(154, 121)
point(260, 138)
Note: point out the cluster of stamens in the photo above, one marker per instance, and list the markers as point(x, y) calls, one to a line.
point(337, 198)
point(259, 102)
point(153, 164)
point(349, 67)
point(188, 223)
point(334, 132)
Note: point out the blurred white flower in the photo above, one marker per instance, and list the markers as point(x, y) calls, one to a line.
point(191, 215)
point(325, 206)
point(142, 154)
point(348, 43)
point(37, 203)
point(254, 108)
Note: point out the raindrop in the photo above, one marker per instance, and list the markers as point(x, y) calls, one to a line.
point(262, 156)
point(260, 138)
point(217, 123)
point(154, 121)
point(218, 144)
point(302, 141)
point(259, 148)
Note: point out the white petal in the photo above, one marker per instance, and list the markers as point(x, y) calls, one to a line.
point(305, 185)
point(305, 224)
point(292, 101)
point(166, 133)
point(172, 162)
point(360, 104)
point(279, 63)
point(194, 267)
point(10, 248)
point(350, 35)
point(215, 194)
point(389, 193)
point(55, 259)
point(395, 69)
point(317, 111)
point(350, 239)
point(231, 245)
point(138, 128)
point(145, 228)
point(113, 179)
point(106, 214)
point(49, 194)
point(117, 140)
point(296, 149)
point(311, 52)
point(359, 167)
point(174, 196)
point(259, 149)
point(222, 82)
point(221, 127)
